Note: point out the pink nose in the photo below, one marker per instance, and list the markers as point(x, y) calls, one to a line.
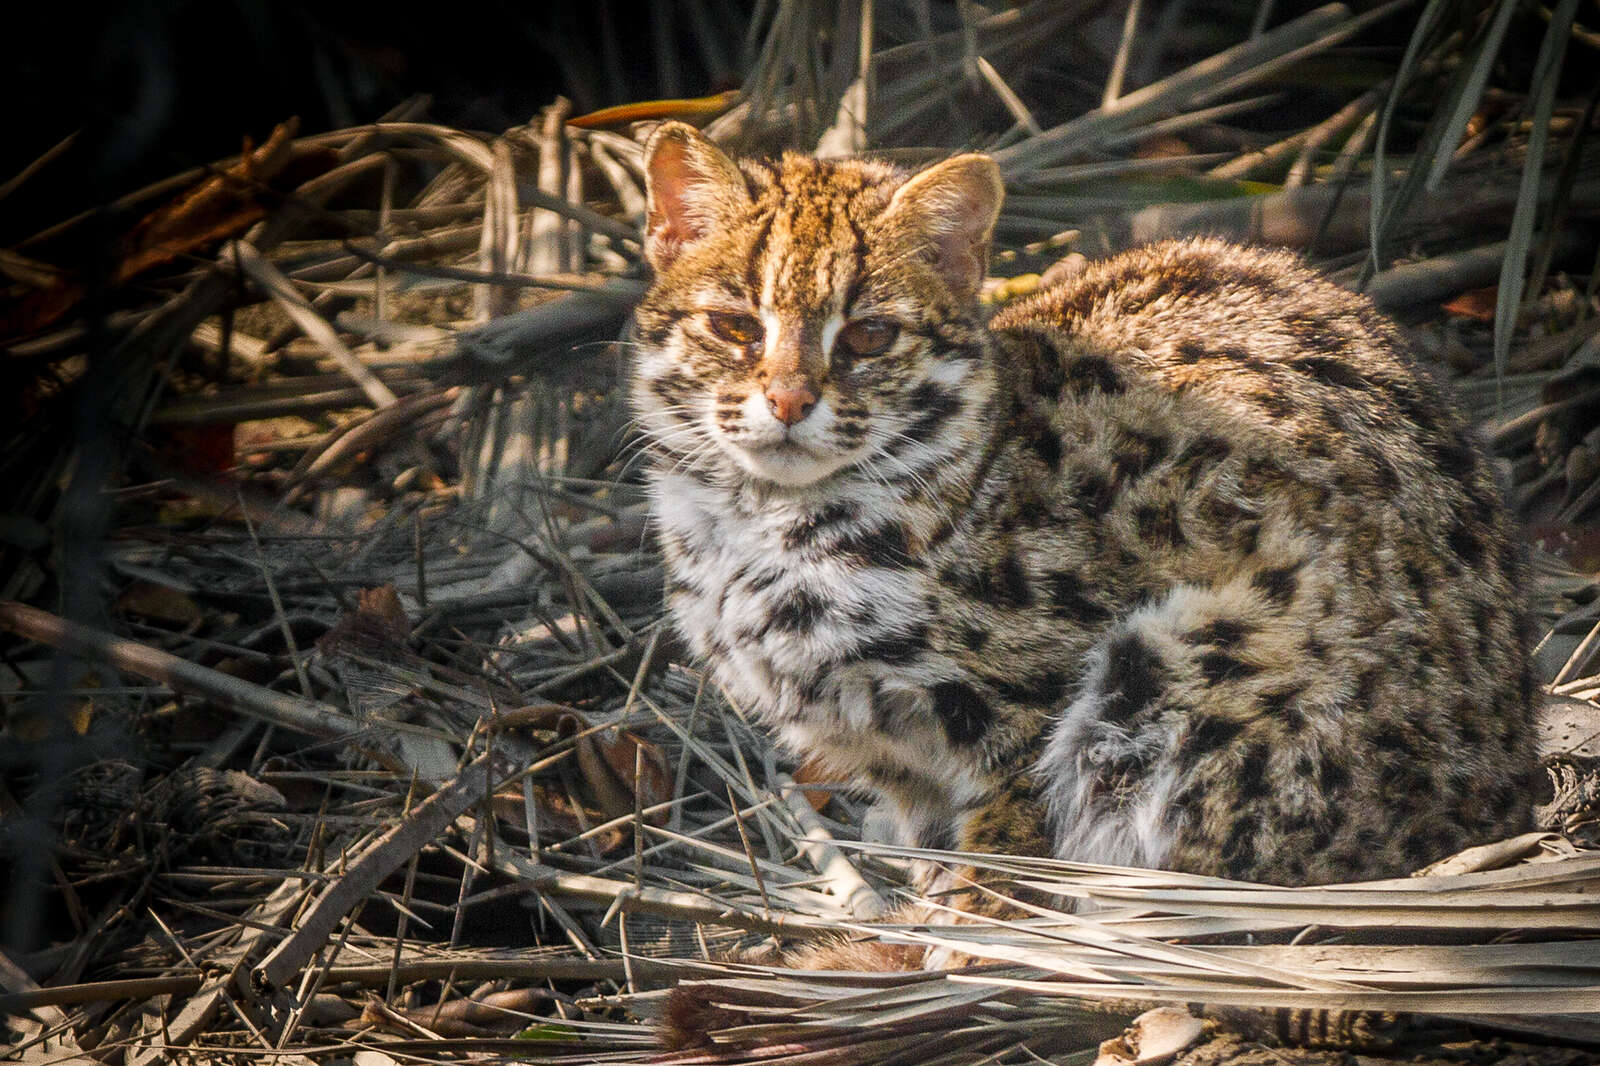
point(789, 405)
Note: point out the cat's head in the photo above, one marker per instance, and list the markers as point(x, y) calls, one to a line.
point(810, 317)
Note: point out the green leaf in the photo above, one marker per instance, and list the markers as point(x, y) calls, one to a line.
point(548, 1031)
point(1465, 103)
point(1546, 72)
point(1421, 38)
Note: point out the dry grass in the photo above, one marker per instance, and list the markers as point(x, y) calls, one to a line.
point(372, 738)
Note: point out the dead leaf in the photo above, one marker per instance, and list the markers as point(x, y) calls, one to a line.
point(223, 205)
point(160, 603)
point(1154, 1038)
point(614, 766)
point(812, 772)
point(205, 450)
point(1475, 303)
point(379, 622)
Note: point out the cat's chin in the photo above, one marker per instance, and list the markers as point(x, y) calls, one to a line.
point(789, 465)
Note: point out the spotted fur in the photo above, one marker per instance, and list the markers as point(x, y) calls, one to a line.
point(1179, 563)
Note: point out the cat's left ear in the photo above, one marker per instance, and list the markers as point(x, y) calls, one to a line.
point(693, 186)
point(952, 206)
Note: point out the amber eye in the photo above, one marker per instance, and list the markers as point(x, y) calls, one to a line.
point(734, 327)
point(869, 336)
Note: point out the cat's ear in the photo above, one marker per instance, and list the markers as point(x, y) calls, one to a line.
point(693, 186)
point(952, 207)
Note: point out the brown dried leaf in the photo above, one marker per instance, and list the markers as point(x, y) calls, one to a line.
point(1475, 303)
point(613, 765)
point(159, 603)
point(378, 622)
point(619, 767)
point(223, 205)
point(809, 772)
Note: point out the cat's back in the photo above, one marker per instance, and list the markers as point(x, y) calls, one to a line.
point(1256, 345)
point(1283, 429)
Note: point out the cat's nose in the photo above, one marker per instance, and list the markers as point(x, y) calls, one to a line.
point(790, 405)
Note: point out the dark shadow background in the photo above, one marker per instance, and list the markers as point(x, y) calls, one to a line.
point(156, 86)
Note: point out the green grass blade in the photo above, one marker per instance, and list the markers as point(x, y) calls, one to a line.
point(1465, 103)
point(1427, 23)
point(1546, 72)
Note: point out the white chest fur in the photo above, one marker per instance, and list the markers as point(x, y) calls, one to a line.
point(821, 644)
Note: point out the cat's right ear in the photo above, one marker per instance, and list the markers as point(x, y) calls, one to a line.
point(693, 187)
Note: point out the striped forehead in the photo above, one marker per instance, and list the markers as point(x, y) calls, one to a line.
point(813, 252)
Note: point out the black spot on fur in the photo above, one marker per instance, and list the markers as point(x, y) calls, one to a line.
point(962, 710)
point(1331, 777)
point(936, 404)
point(1218, 666)
point(1419, 583)
point(1039, 690)
point(1069, 598)
point(1096, 494)
point(1211, 734)
point(1251, 777)
point(1384, 475)
point(1274, 403)
point(672, 388)
point(1159, 524)
point(1045, 444)
point(1422, 849)
point(1224, 633)
point(1388, 738)
point(1088, 373)
point(1418, 407)
point(975, 637)
point(883, 546)
point(1009, 584)
point(765, 580)
point(1048, 377)
point(808, 529)
point(1134, 677)
point(1465, 543)
point(1239, 850)
point(1278, 584)
point(1138, 455)
point(894, 648)
point(1280, 705)
point(1366, 688)
point(799, 612)
point(1331, 371)
point(1190, 351)
point(1454, 456)
point(1199, 454)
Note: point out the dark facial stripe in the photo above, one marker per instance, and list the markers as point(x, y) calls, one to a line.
point(758, 245)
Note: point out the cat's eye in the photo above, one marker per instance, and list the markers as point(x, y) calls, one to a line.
point(869, 336)
point(734, 327)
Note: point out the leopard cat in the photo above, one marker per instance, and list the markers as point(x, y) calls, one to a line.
point(1179, 563)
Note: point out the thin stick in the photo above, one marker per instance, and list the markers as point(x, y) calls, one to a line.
point(749, 853)
point(316, 327)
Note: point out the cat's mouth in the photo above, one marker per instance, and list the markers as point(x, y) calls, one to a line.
point(788, 462)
